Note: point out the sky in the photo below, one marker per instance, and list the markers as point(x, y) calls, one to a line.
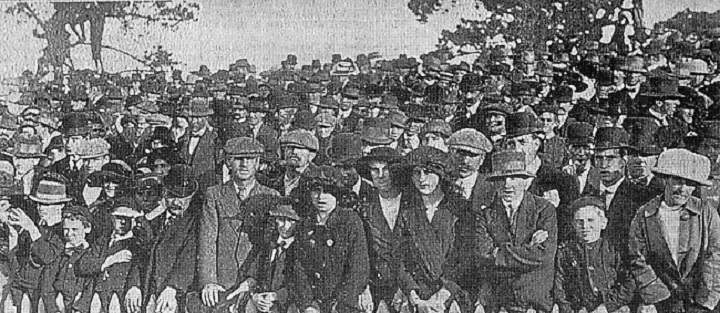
point(265, 31)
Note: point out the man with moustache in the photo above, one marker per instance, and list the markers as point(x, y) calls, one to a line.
point(224, 241)
point(674, 246)
point(470, 147)
point(344, 151)
point(469, 116)
point(580, 144)
point(622, 198)
point(299, 148)
point(493, 124)
point(197, 145)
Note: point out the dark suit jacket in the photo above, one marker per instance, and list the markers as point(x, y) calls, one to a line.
point(518, 274)
point(118, 277)
point(173, 257)
point(696, 276)
point(224, 241)
point(331, 264)
point(592, 185)
point(549, 178)
point(203, 160)
point(266, 275)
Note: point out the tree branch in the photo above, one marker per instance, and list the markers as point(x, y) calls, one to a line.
point(116, 50)
point(31, 13)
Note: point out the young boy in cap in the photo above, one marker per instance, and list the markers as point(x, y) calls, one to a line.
point(116, 265)
point(589, 273)
point(263, 273)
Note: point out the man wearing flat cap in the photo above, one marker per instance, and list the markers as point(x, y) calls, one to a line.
point(299, 148)
point(224, 241)
point(674, 246)
point(197, 146)
point(508, 247)
point(471, 147)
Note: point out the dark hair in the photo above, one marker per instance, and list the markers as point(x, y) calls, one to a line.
point(76, 216)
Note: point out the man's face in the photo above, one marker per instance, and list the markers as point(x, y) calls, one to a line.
point(314, 98)
point(93, 165)
point(415, 127)
point(513, 187)
point(285, 226)
point(549, 122)
point(670, 106)
point(256, 118)
point(495, 123)
point(589, 222)
point(686, 114)
point(297, 157)
point(580, 156)
point(380, 174)
point(324, 131)
point(396, 132)
point(710, 148)
point(471, 97)
point(122, 224)
point(606, 121)
point(469, 162)
point(611, 165)
point(632, 79)
point(47, 212)
point(527, 144)
point(424, 180)
point(243, 168)
point(348, 175)
point(74, 231)
point(148, 199)
point(177, 206)
point(161, 167)
point(110, 188)
point(678, 191)
point(322, 200)
point(197, 124)
point(435, 141)
point(286, 115)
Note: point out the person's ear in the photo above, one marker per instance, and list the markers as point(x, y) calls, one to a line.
point(88, 230)
point(603, 222)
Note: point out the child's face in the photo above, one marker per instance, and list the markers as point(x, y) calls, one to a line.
point(589, 223)
point(74, 231)
point(122, 225)
point(285, 226)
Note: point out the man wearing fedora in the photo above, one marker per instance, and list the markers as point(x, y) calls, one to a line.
point(170, 269)
point(622, 198)
point(524, 135)
point(91, 155)
point(197, 146)
point(674, 246)
point(256, 126)
point(224, 241)
point(510, 244)
point(580, 143)
point(31, 275)
point(26, 154)
point(661, 98)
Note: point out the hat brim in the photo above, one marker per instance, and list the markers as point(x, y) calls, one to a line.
point(183, 192)
point(11, 153)
point(663, 95)
point(657, 170)
point(50, 201)
point(496, 176)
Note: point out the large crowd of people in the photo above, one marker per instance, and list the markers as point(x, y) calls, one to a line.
point(566, 178)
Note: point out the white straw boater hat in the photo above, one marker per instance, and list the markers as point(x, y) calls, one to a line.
point(684, 164)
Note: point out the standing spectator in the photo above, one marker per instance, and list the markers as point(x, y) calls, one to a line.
point(197, 146)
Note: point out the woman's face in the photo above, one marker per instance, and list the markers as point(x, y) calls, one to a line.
point(425, 181)
point(109, 188)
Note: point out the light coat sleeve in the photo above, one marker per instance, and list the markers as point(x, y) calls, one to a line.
point(207, 244)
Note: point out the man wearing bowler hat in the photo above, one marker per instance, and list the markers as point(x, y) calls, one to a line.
point(197, 145)
point(622, 198)
point(580, 143)
point(170, 272)
point(674, 246)
point(224, 241)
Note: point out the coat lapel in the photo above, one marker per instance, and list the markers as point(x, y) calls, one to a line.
point(656, 235)
point(690, 237)
point(522, 219)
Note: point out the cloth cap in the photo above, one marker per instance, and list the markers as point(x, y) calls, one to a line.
point(300, 138)
point(243, 147)
point(470, 140)
point(325, 119)
point(509, 163)
point(127, 207)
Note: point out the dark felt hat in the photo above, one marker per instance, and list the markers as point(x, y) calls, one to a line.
point(580, 134)
point(664, 87)
point(345, 148)
point(611, 138)
point(180, 182)
point(435, 160)
point(642, 132)
point(508, 163)
point(522, 123)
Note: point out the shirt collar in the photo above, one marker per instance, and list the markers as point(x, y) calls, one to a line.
point(612, 188)
point(285, 242)
point(83, 244)
point(123, 237)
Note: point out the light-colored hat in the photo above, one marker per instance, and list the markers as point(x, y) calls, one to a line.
point(300, 138)
point(509, 163)
point(325, 119)
point(470, 140)
point(684, 164)
point(89, 148)
point(50, 192)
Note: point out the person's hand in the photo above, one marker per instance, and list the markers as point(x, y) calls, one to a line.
point(600, 309)
point(133, 300)
point(570, 169)
point(262, 302)
point(18, 218)
point(647, 309)
point(166, 302)
point(13, 236)
point(244, 287)
point(539, 237)
point(160, 209)
point(210, 294)
point(122, 256)
point(366, 301)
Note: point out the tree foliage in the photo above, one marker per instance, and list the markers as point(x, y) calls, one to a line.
point(532, 22)
point(691, 22)
point(71, 18)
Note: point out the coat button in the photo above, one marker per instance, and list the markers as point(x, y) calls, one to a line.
point(591, 268)
point(323, 264)
point(69, 265)
point(317, 275)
